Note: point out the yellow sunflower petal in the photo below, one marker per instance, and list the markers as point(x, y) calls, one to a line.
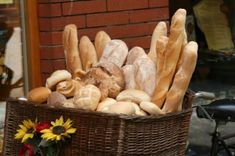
point(58, 137)
point(71, 130)
point(61, 120)
point(23, 127)
point(67, 124)
point(19, 135)
point(26, 137)
point(46, 131)
point(48, 136)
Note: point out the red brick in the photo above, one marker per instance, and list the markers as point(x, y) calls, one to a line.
point(49, 10)
point(51, 52)
point(46, 24)
point(158, 3)
point(90, 32)
point(107, 19)
point(83, 7)
point(143, 42)
point(59, 64)
point(46, 66)
point(50, 38)
point(114, 5)
point(149, 15)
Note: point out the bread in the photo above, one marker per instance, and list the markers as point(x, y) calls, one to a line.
point(129, 75)
point(134, 54)
point(182, 78)
point(56, 99)
point(133, 95)
point(70, 42)
point(160, 30)
point(101, 39)
point(56, 77)
point(104, 105)
point(39, 95)
point(87, 97)
point(68, 103)
point(116, 52)
point(172, 54)
point(138, 111)
point(151, 108)
point(87, 53)
point(68, 87)
point(161, 47)
point(145, 75)
point(126, 108)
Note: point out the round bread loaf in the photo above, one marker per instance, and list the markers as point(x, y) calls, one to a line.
point(68, 87)
point(104, 105)
point(56, 77)
point(138, 111)
point(56, 99)
point(133, 95)
point(39, 95)
point(126, 108)
point(151, 108)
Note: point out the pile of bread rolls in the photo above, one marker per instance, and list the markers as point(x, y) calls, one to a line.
point(108, 77)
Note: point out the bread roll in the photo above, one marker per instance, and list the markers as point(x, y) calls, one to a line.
point(126, 108)
point(182, 78)
point(101, 39)
point(172, 54)
point(87, 97)
point(68, 87)
point(68, 103)
point(138, 111)
point(87, 53)
point(104, 105)
point(116, 52)
point(70, 42)
point(56, 77)
point(39, 95)
point(133, 95)
point(134, 54)
point(145, 75)
point(129, 75)
point(56, 99)
point(151, 108)
point(160, 30)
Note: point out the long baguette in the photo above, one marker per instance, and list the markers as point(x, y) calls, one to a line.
point(160, 30)
point(70, 42)
point(172, 54)
point(182, 78)
point(101, 39)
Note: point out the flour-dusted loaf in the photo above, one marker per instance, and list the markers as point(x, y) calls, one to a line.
point(56, 99)
point(70, 42)
point(116, 52)
point(122, 107)
point(129, 75)
point(101, 39)
point(160, 30)
point(182, 78)
point(87, 97)
point(69, 87)
point(134, 54)
point(87, 53)
point(105, 104)
point(172, 54)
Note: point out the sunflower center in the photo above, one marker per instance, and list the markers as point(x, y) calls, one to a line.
point(58, 130)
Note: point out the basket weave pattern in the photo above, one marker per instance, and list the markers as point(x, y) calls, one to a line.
point(103, 134)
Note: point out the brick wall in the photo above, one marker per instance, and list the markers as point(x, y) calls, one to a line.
point(130, 20)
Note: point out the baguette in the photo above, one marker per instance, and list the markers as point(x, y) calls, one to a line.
point(70, 42)
point(160, 30)
point(134, 54)
point(87, 53)
point(182, 78)
point(101, 39)
point(172, 54)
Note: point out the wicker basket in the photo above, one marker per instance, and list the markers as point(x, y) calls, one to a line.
point(103, 134)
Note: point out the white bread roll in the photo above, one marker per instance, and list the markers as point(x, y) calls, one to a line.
point(87, 53)
point(172, 54)
point(101, 39)
point(56, 77)
point(68, 103)
point(134, 54)
point(69, 87)
point(39, 95)
point(70, 42)
point(87, 97)
point(151, 108)
point(116, 52)
point(133, 95)
point(160, 30)
point(104, 105)
point(129, 75)
point(182, 78)
point(138, 111)
point(126, 108)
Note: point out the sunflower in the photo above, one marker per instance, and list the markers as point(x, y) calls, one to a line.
point(59, 130)
point(26, 130)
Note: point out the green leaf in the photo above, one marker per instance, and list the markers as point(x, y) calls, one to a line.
point(51, 151)
point(45, 143)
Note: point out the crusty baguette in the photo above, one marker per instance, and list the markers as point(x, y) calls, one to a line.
point(182, 78)
point(172, 54)
point(160, 30)
point(101, 39)
point(87, 53)
point(70, 42)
